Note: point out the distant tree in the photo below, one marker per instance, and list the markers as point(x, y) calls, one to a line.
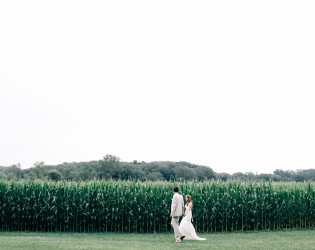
point(132, 172)
point(11, 177)
point(69, 171)
point(300, 176)
point(37, 171)
point(276, 178)
point(167, 171)
point(309, 174)
point(284, 175)
point(239, 176)
point(15, 171)
point(110, 168)
point(184, 173)
point(54, 175)
point(264, 177)
point(208, 173)
point(223, 176)
point(249, 176)
point(88, 173)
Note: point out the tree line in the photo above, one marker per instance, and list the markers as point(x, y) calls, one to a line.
point(111, 167)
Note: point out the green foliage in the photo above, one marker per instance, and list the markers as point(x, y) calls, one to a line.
point(111, 168)
point(277, 176)
point(2, 176)
point(37, 172)
point(54, 175)
point(11, 177)
point(14, 172)
point(116, 206)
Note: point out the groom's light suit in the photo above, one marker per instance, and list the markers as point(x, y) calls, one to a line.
point(177, 210)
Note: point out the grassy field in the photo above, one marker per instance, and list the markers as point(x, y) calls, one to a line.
point(287, 239)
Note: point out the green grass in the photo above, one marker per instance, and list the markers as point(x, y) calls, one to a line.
point(287, 239)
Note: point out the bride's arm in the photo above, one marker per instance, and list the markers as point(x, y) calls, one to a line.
point(189, 207)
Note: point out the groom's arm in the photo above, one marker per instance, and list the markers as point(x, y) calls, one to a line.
point(173, 207)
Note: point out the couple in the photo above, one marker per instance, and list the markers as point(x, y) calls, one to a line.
point(185, 229)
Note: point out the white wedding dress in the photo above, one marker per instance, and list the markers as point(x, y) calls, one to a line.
point(187, 228)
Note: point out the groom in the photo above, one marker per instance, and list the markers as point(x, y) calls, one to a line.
point(177, 210)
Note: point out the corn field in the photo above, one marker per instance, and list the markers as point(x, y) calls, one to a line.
point(108, 206)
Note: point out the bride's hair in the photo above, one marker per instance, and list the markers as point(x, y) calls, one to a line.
point(189, 198)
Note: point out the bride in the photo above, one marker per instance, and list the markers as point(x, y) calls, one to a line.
point(186, 227)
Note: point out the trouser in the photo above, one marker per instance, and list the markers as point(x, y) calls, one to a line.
point(175, 224)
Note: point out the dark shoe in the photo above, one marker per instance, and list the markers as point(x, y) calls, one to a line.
point(181, 238)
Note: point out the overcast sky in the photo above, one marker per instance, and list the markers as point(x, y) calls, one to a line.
point(227, 84)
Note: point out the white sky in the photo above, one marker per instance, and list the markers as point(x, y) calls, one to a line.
point(227, 84)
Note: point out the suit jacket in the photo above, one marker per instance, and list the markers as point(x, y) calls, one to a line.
point(177, 208)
